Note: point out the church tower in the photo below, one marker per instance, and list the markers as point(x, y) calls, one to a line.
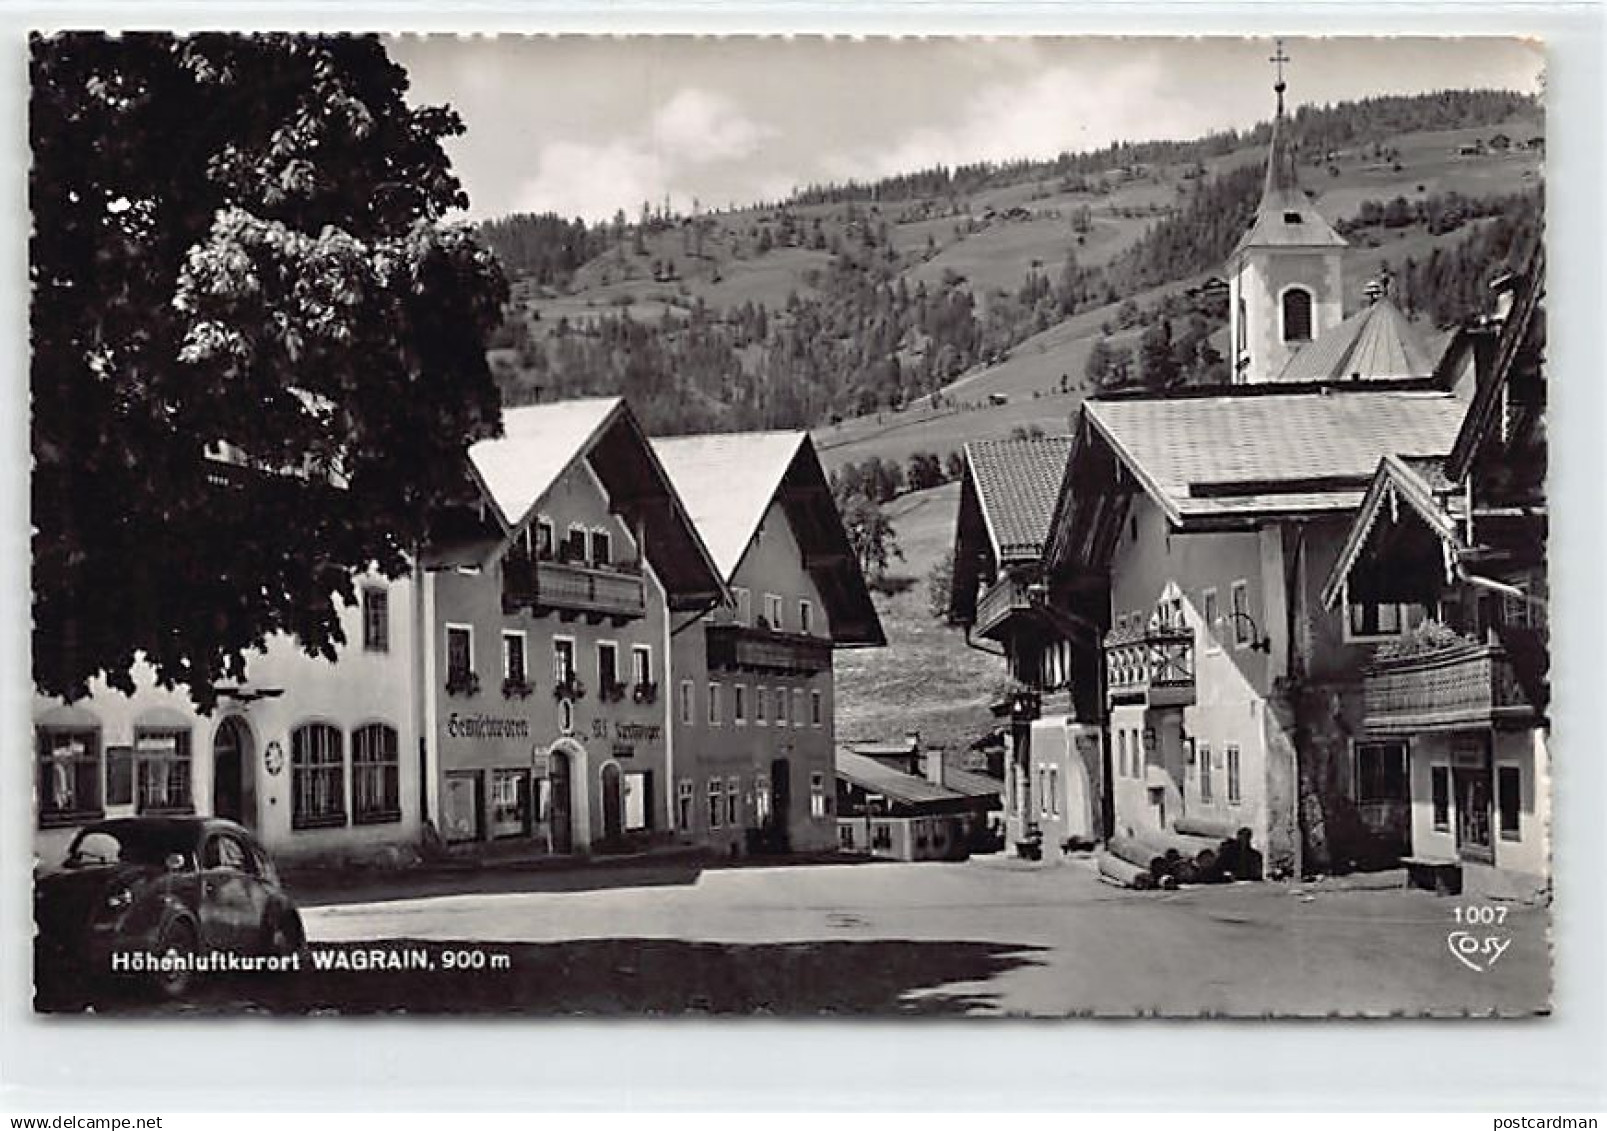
point(1285, 276)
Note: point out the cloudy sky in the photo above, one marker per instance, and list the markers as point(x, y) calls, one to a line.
point(582, 126)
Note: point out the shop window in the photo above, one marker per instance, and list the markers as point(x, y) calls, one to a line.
point(1235, 789)
point(1381, 772)
point(162, 771)
point(1297, 314)
point(638, 799)
point(683, 804)
point(1206, 787)
point(845, 837)
point(716, 797)
point(819, 803)
point(510, 803)
point(1509, 797)
point(317, 777)
point(602, 548)
point(460, 807)
point(763, 804)
point(69, 776)
point(119, 775)
point(376, 775)
point(882, 836)
point(1440, 796)
point(733, 802)
point(376, 620)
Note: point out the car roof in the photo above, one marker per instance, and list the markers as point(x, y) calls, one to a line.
point(169, 826)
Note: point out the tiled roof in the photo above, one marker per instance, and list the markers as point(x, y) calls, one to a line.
point(728, 482)
point(1284, 453)
point(1017, 483)
point(972, 784)
point(875, 777)
point(537, 443)
point(1376, 342)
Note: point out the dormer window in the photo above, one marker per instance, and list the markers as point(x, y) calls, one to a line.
point(1291, 218)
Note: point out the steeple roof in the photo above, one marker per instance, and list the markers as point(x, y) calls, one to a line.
point(1286, 217)
point(1376, 342)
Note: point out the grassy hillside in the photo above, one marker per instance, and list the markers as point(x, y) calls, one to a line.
point(926, 679)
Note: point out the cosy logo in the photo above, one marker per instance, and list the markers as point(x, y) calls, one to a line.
point(1477, 952)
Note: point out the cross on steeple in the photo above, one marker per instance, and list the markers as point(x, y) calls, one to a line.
point(1279, 58)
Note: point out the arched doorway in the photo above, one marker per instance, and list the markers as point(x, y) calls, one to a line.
point(563, 821)
point(613, 805)
point(232, 780)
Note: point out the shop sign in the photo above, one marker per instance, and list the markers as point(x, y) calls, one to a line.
point(486, 727)
point(624, 750)
point(627, 733)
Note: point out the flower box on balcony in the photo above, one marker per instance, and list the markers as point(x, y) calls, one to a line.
point(462, 683)
point(646, 693)
point(610, 691)
point(516, 688)
point(570, 688)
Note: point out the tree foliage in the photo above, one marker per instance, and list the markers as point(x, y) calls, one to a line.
point(238, 241)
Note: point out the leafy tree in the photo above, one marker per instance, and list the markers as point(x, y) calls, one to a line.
point(237, 240)
point(1158, 366)
point(871, 536)
point(954, 466)
point(925, 470)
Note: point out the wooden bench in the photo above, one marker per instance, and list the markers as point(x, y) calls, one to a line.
point(1434, 873)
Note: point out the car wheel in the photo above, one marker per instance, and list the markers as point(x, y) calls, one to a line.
point(178, 939)
point(284, 935)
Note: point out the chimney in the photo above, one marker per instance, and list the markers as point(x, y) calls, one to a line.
point(932, 763)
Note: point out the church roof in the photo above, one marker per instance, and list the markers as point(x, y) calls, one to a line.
point(1286, 217)
point(1376, 342)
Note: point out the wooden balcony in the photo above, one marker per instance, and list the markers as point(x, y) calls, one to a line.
point(735, 647)
point(1005, 598)
point(572, 590)
point(1153, 666)
point(1471, 685)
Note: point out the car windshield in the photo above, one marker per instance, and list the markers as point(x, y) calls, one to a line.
point(130, 844)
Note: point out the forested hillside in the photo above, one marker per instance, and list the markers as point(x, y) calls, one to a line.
point(904, 297)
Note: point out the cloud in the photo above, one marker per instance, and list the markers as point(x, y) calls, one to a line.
point(696, 127)
point(1047, 113)
point(691, 131)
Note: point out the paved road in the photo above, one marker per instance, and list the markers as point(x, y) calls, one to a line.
point(988, 936)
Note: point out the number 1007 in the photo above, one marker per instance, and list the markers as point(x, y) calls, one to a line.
point(1480, 915)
